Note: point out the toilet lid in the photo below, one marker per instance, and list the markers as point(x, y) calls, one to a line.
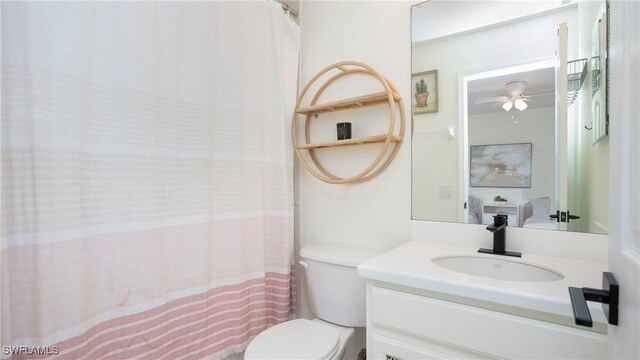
point(295, 339)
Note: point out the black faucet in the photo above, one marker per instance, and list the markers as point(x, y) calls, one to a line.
point(498, 228)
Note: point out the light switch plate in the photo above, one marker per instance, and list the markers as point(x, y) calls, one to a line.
point(445, 191)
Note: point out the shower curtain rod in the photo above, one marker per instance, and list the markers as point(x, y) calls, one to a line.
point(286, 8)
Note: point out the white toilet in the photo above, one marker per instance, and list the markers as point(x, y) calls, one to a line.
point(337, 297)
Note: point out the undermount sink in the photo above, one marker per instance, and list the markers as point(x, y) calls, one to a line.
point(500, 269)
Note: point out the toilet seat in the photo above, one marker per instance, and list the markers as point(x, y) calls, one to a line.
point(295, 339)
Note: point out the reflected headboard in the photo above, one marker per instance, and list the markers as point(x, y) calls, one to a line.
point(527, 211)
point(539, 208)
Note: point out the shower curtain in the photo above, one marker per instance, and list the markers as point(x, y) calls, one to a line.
point(147, 190)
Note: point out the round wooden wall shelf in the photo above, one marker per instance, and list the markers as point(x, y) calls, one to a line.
point(390, 141)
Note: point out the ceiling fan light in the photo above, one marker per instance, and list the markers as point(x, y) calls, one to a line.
point(507, 106)
point(520, 104)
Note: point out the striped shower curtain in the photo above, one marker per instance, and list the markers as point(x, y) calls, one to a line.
point(147, 191)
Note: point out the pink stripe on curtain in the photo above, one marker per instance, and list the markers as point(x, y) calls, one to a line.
point(126, 268)
point(198, 325)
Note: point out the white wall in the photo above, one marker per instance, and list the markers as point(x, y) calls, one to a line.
point(437, 22)
point(374, 214)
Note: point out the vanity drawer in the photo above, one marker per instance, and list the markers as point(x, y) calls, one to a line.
point(387, 348)
point(480, 330)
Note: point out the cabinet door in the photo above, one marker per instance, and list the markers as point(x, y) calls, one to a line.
point(460, 327)
point(386, 348)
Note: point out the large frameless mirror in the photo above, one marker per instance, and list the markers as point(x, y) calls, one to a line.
point(510, 113)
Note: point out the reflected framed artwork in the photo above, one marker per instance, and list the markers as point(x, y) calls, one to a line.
point(504, 165)
point(424, 92)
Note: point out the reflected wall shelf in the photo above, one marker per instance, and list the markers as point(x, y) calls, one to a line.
point(390, 141)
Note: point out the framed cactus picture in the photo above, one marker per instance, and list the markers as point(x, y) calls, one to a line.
point(424, 92)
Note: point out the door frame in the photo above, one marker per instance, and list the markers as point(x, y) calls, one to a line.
point(624, 159)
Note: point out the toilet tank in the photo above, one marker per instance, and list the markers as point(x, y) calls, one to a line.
point(336, 294)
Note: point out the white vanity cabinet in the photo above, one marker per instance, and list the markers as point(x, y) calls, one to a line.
point(404, 323)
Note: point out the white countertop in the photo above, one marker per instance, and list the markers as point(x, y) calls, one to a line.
point(410, 265)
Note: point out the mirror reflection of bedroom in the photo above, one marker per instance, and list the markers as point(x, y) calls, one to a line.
point(526, 154)
point(512, 145)
point(523, 118)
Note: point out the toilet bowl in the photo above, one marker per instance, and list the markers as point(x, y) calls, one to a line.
point(301, 339)
point(336, 296)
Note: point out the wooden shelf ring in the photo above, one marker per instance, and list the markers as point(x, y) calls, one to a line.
point(392, 96)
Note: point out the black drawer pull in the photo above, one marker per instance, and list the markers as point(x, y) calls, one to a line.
point(608, 296)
